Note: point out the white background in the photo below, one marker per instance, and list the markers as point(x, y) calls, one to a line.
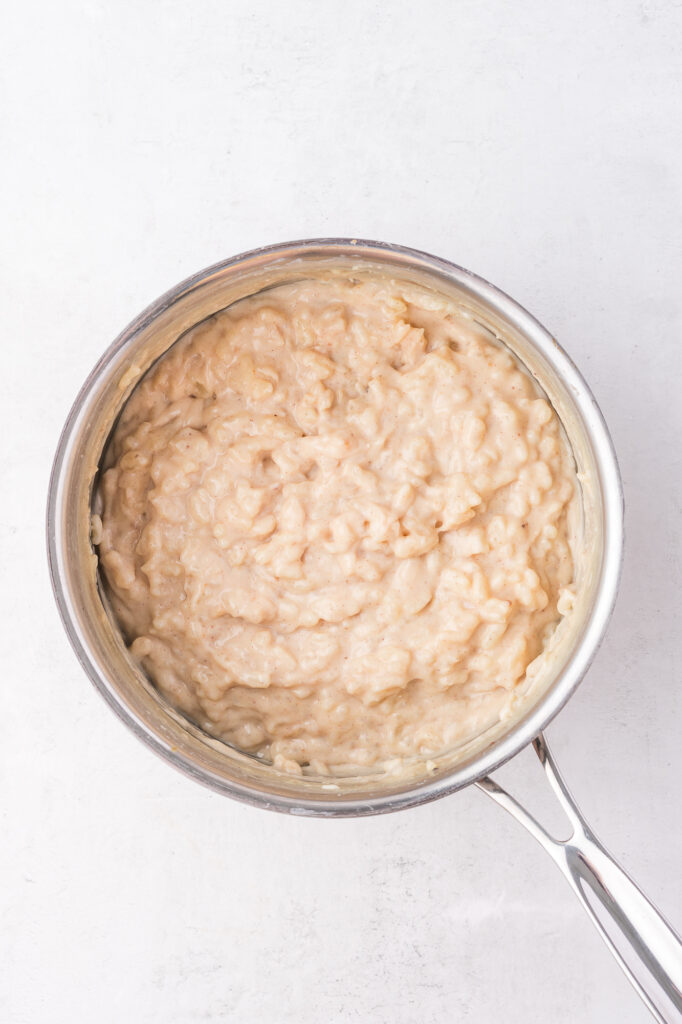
point(536, 143)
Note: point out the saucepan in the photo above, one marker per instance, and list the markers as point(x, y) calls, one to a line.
point(645, 945)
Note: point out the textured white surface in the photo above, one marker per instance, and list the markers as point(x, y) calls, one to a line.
point(539, 145)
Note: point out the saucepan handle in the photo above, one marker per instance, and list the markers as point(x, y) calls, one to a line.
point(644, 944)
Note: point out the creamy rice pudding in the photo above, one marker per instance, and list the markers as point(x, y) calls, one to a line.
point(336, 524)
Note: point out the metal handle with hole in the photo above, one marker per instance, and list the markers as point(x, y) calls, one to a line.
point(643, 943)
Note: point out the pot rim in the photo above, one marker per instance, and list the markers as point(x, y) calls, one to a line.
point(555, 697)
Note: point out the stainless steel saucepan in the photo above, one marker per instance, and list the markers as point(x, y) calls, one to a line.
point(645, 945)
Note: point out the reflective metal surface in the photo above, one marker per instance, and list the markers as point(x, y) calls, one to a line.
point(641, 940)
point(97, 641)
point(644, 944)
